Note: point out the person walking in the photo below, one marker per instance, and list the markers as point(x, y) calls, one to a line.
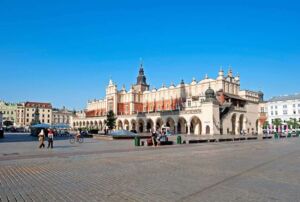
point(50, 139)
point(42, 139)
point(154, 136)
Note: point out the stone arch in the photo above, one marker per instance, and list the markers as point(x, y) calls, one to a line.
point(141, 125)
point(241, 123)
point(150, 125)
point(171, 124)
point(126, 124)
point(100, 126)
point(196, 126)
point(159, 123)
point(182, 126)
point(207, 130)
point(96, 124)
point(233, 124)
point(119, 125)
point(133, 124)
point(80, 124)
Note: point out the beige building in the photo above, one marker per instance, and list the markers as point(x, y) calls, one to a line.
point(8, 111)
point(209, 106)
point(62, 116)
point(25, 113)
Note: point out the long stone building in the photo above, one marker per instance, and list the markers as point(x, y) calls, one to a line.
point(210, 106)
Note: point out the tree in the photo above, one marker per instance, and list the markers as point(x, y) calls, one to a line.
point(8, 123)
point(277, 122)
point(293, 123)
point(110, 120)
point(266, 125)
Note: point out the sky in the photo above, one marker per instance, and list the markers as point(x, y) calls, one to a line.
point(65, 52)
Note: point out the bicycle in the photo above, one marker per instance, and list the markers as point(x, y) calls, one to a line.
point(74, 139)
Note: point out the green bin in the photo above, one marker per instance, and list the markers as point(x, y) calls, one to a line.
point(289, 135)
point(179, 140)
point(276, 136)
point(137, 141)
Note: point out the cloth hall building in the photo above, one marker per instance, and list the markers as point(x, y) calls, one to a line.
point(206, 107)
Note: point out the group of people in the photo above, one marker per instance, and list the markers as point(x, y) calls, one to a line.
point(158, 137)
point(42, 138)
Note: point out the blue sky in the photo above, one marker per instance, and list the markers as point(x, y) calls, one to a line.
point(64, 52)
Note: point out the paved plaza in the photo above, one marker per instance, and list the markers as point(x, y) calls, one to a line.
point(117, 171)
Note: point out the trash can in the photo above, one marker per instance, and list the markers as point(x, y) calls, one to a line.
point(137, 141)
point(179, 140)
point(289, 135)
point(276, 136)
point(1, 133)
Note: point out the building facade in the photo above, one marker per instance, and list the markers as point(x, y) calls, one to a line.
point(62, 116)
point(210, 106)
point(26, 113)
point(9, 111)
point(1, 120)
point(284, 108)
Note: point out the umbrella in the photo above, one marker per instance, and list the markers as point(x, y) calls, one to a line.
point(61, 126)
point(42, 125)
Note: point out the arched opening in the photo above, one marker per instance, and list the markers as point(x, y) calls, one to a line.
point(141, 125)
point(133, 125)
point(80, 124)
point(126, 125)
point(100, 126)
point(241, 124)
point(207, 130)
point(233, 126)
point(196, 126)
point(171, 124)
point(159, 124)
point(150, 125)
point(120, 125)
point(182, 127)
point(96, 125)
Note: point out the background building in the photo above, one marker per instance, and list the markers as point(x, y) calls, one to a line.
point(62, 116)
point(9, 111)
point(284, 108)
point(1, 120)
point(26, 111)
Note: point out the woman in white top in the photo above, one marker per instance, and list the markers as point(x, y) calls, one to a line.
point(42, 139)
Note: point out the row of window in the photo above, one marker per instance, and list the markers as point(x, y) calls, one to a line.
point(285, 106)
point(284, 112)
point(43, 120)
point(7, 112)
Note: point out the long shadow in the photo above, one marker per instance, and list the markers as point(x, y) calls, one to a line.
point(17, 137)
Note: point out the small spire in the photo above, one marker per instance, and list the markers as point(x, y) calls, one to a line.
point(206, 76)
point(123, 87)
point(182, 82)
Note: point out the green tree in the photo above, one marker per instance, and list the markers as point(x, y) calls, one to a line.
point(8, 123)
point(277, 122)
point(266, 125)
point(110, 120)
point(293, 123)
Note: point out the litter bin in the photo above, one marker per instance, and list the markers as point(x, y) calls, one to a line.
point(137, 141)
point(289, 135)
point(179, 140)
point(276, 136)
point(1, 133)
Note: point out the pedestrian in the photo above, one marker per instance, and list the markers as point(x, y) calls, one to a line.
point(50, 139)
point(153, 137)
point(42, 139)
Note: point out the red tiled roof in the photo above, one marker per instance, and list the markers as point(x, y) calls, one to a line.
point(38, 104)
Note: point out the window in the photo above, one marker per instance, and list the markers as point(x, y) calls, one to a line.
point(294, 112)
point(294, 105)
point(285, 112)
point(32, 110)
point(276, 113)
point(275, 107)
point(27, 115)
point(272, 113)
point(27, 120)
point(189, 103)
point(271, 107)
point(262, 109)
point(48, 116)
point(284, 106)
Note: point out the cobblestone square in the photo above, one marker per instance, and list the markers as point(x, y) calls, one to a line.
point(117, 171)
